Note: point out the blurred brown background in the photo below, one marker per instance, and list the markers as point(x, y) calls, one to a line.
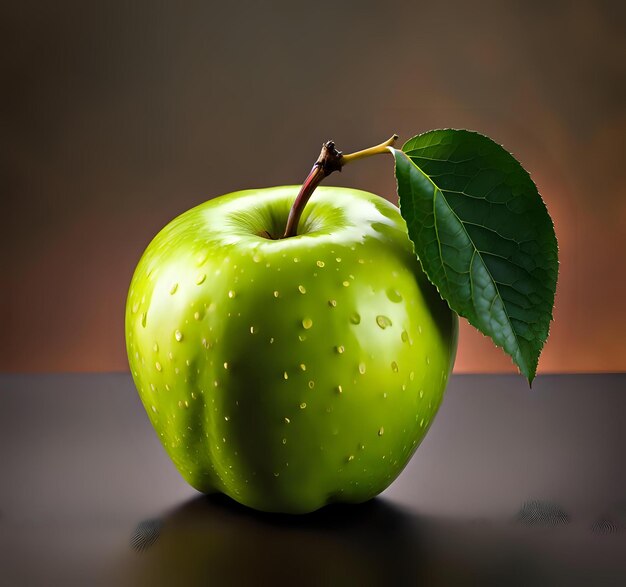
point(115, 117)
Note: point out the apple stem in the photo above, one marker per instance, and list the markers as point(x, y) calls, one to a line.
point(330, 160)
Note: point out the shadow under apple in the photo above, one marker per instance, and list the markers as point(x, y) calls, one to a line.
point(214, 540)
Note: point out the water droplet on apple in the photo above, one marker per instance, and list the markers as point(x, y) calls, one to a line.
point(173, 288)
point(287, 420)
point(196, 315)
point(332, 303)
point(412, 375)
point(302, 367)
point(156, 347)
point(285, 375)
point(225, 365)
point(296, 260)
point(276, 294)
point(303, 405)
point(226, 418)
point(381, 431)
point(428, 360)
point(422, 423)
point(158, 366)
point(340, 349)
point(284, 441)
point(404, 336)
point(346, 283)
point(421, 393)
point(394, 295)
point(311, 384)
point(302, 289)
point(231, 294)
point(135, 307)
point(383, 321)
point(394, 366)
point(339, 389)
point(350, 458)
point(252, 329)
point(143, 319)
point(362, 368)
point(355, 318)
point(178, 335)
point(154, 409)
point(200, 278)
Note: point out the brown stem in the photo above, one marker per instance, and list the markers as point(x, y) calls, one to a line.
point(330, 160)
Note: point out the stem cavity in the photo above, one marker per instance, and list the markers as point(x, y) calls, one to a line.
point(330, 160)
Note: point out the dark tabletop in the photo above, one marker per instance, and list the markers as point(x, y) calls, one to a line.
point(510, 487)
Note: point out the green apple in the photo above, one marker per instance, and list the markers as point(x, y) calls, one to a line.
point(292, 372)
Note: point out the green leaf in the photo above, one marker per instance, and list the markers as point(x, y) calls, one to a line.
point(483, 236)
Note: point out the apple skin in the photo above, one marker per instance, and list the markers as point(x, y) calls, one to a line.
point(288, 373)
